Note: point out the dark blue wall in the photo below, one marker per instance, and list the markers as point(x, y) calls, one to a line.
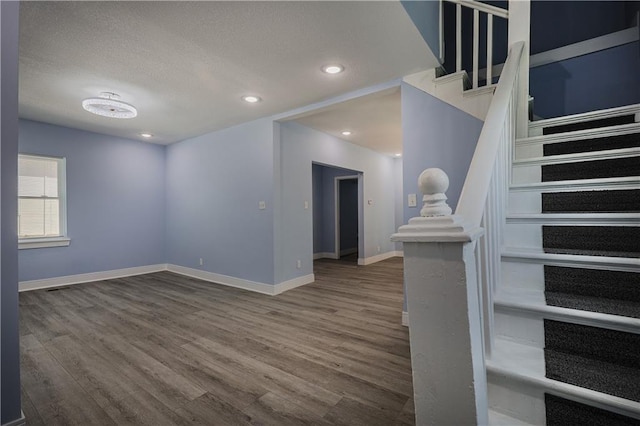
point(348, 214)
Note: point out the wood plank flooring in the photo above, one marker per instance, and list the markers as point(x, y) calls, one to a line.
point(163, 349)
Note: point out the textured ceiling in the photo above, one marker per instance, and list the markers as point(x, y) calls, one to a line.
point(374, 121)
point(185, 65)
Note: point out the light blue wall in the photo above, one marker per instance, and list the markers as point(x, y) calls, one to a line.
point(214, 184)
point(9, 344)
point(604, 79)
point(300, 146)
point(426, 17)
point(115, 202)
point(316, 204)
point(435, 134)
point(399, 198)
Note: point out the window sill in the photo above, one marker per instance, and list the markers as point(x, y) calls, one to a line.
point(33, 243)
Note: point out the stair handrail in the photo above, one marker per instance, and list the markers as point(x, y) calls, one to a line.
point(500, 120)
point(491, 11)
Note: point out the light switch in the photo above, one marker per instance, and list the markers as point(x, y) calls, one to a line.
point(411, 200)
point(370, 202)
point(306, 205)
point(262, 205)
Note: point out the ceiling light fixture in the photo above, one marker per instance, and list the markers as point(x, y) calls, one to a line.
point(146, 135)
point(346, 133)
point(398, 155)
point(107, 104)
point(333, 69)
point(251, 99)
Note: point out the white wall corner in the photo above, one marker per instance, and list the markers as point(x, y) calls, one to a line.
point(89, 277)
point(405, 318)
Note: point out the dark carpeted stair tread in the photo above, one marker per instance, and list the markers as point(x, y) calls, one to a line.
point(617, 201)
point(615, 241)
point(630, 140)
point(592, 124)
point(563, 412)
point(593, 304)
point(594, 374)
point(598, 169)
point(610, 346)
point(620, 285)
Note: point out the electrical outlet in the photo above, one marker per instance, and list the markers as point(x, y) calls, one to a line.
point(201, 262)
point(412, 200)
point(306, 205)
point(262, 205)
point(299, 264)
point(378, 249)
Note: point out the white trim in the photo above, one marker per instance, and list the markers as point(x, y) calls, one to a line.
point(603, 132)
point(522, 255)
point(483, 7)
point(405, 318)
point(17, 422)
point(504, 368)
point(363, 261)
point(530, 302)
point(580, 184)
point(587, 116)
point(34, 243)
point(255, 286)
point(324, 255)
point(89, 277)
point(227, 280)
point(632, 219)
point(293, 283)
point(577, 157)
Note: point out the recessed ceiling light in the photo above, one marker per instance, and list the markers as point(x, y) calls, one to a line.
point(398, 155)
point(251, 99)
point(107, 104)
point(333, 69)
point(346, 133)
point(146, 135)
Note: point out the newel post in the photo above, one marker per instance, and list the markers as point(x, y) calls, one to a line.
point(447, 356)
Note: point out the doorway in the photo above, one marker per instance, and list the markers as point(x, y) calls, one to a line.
point(337, 213)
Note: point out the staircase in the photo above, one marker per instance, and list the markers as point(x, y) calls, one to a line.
point(567, 314)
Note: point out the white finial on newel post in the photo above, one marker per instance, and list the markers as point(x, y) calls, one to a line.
point(433, 184)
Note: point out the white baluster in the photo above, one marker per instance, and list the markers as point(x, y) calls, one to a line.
point(476, 45)
point(458, 37)
point(489, 48)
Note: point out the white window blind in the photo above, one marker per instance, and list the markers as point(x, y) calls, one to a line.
point(41, 206)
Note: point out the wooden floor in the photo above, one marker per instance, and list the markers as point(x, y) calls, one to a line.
point(163, 349)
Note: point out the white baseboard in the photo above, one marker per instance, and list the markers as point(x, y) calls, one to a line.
point(379, 257)
point(258, 287)
point(296, 282)
point(405, 318)
point(89, 277)
point(17, 422)
point(325, 255)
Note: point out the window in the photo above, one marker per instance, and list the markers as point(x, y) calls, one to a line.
point(41, 202)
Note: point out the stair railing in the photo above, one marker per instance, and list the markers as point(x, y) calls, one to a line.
point(477, 8)
point(483, 201)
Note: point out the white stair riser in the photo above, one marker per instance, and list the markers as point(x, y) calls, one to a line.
point(526, 276)
point(525, 151)
point(517, 400)
point(523, 235)
point(524, 202)
point(520, 326)
point(527, 174)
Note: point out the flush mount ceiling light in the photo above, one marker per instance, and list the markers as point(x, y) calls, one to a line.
point(398, 155)
point(333, 69)
point(146, 135)
point(107, 104)
point(251, 99)
point(346, 133)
